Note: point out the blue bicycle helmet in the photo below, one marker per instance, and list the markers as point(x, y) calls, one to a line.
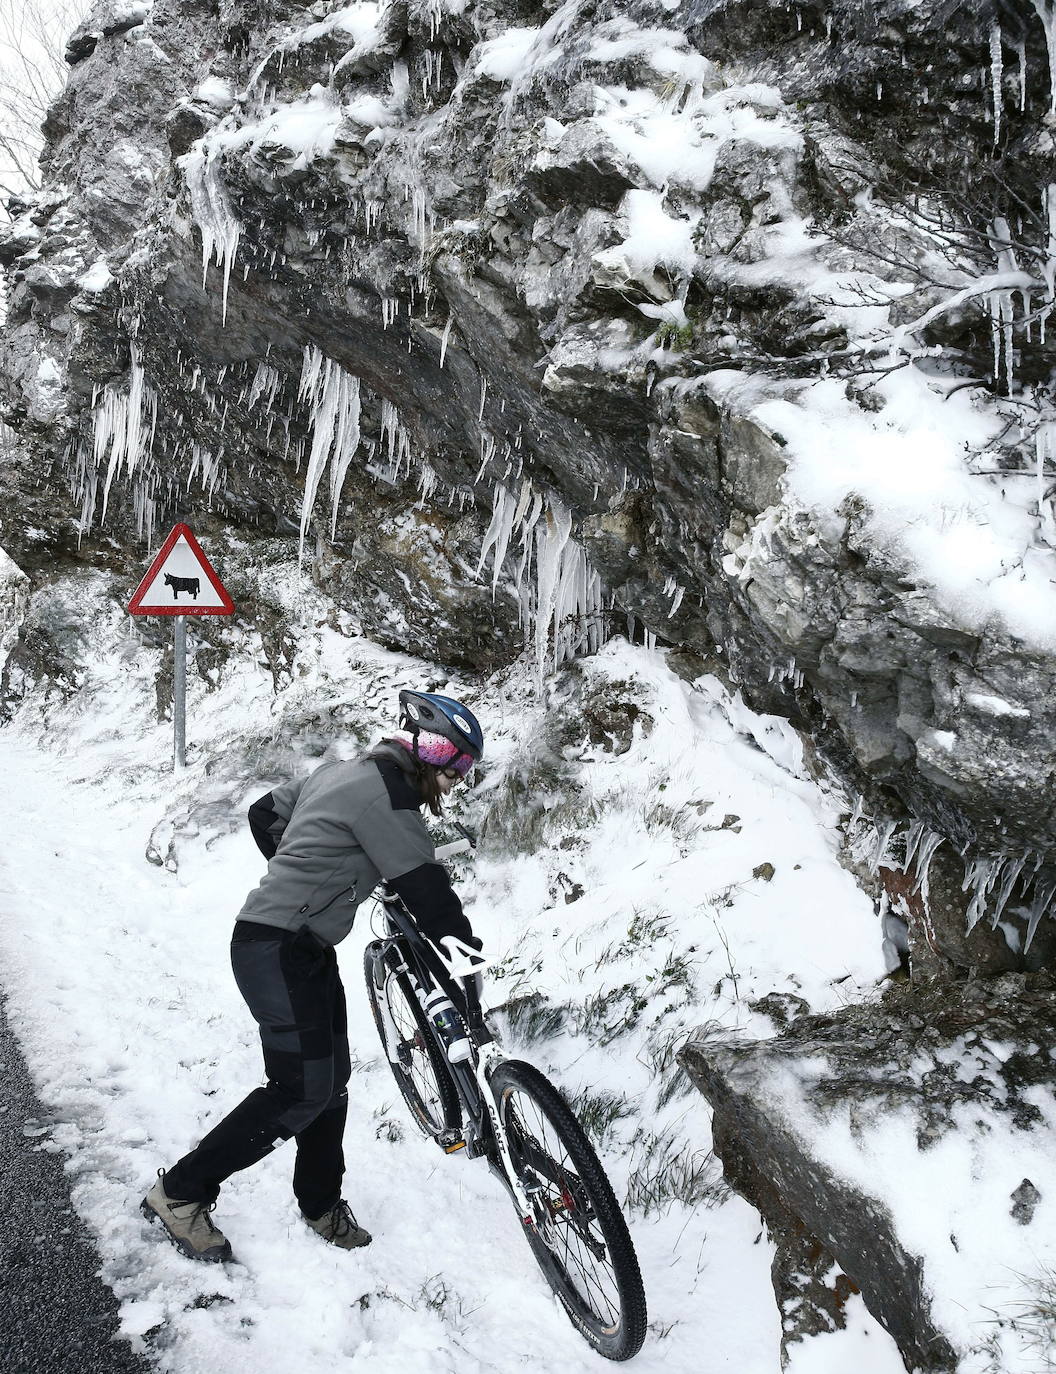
point(442, 716)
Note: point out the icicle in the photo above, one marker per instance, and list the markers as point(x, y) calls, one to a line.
point(1045, 450)
point(980, 876)
point(266, 382)
point(334, 397)
point(883, 839)
point(550, 538)
point(1043, 895)
point(1046, 12)
point(913, 837)
point(120, 427)
point(487, 452)
point(1012, 869)
point(995, 76)
point(928, 844)
point(217, 222)
point(1021, 53)
point(444, 340)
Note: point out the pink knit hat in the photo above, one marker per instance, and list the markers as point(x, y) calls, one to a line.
point(434, 749)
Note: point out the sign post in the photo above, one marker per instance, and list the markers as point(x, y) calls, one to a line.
point(179, 693)
point(180, 582)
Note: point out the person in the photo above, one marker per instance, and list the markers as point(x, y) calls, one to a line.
point(329, 839)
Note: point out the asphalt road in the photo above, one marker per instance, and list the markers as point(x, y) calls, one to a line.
point(56, 1314)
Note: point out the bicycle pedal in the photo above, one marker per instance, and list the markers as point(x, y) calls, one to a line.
point(453, 1146)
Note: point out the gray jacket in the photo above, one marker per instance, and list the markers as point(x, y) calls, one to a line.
point(331, 837)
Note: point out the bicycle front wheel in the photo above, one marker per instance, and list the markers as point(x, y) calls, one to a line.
point(414, 1057)
point(580, 1238)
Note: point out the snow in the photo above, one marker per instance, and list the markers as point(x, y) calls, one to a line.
point(980, 1263)
point(126, 986)
point(995, 706)
point(97, 278)
point(500, 59)
point(360, 22)
point(215, 91)
point(971, 543)
point(654, 238)
point(677, 142)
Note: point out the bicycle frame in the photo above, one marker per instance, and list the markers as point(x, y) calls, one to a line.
point(483, 1127)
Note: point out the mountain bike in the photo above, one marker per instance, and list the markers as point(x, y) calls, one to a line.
point(464, 1094)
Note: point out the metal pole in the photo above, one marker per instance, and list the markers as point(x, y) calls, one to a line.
point(179, 694)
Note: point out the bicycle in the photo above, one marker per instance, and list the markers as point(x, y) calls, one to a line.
point(464, 1094)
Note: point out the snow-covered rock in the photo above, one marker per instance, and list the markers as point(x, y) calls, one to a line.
point(901, 1150)
point(14, 597)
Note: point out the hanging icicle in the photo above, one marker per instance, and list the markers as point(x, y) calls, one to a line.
point(125, 422)
point(996, 73)
point(334, 397)
point(219, 226)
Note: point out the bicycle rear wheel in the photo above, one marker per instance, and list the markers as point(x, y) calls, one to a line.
point(580, 1238)
point(416, 1061)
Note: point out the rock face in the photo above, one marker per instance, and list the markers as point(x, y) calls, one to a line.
point(556, 288)
point(842, 1128)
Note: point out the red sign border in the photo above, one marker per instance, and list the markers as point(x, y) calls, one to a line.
point(135, 606)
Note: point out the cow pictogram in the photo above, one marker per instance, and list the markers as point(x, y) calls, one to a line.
point(183, 584)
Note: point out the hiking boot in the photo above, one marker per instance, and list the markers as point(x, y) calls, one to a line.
point(188, 1224)
point(340, 1227)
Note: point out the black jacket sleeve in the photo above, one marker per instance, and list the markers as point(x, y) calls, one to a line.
point(262, 817)
point(432, 901)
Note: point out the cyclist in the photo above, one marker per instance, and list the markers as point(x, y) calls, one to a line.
point(329, 839)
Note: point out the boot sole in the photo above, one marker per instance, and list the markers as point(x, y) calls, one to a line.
point(216, 1256)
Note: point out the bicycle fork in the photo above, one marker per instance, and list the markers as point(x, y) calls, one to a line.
point(391, 1037)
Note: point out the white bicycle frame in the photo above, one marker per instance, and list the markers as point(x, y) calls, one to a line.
point(485, 1058)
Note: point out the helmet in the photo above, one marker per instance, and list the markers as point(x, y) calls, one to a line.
point(437, 715)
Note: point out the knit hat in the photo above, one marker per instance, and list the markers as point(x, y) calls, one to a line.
point(434, 749)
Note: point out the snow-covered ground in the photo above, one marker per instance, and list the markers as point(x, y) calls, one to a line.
point(120, 991)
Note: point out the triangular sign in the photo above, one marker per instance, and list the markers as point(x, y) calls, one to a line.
point(181, 581)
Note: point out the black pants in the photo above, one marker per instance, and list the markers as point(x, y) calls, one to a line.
point(292, 987)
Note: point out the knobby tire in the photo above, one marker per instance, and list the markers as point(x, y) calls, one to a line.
point(417, 1047)
point(580, 1241)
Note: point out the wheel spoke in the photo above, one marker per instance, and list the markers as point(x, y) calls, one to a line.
point(414, 1058)
point(544, 1152)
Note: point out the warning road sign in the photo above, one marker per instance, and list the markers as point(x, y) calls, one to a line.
point(181, 581)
